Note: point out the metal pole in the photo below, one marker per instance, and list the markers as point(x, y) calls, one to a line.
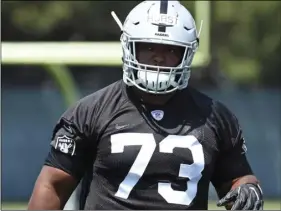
point(203, 12)
point(70, 93)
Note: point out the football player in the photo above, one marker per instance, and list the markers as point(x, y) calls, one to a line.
point(149, 141)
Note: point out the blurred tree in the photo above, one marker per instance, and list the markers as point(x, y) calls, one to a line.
point(62, 20)
point(246, 38)
point(245, 34)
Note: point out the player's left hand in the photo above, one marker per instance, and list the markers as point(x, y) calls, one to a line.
point(244, 197)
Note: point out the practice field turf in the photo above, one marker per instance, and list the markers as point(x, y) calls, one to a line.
point(269, 205)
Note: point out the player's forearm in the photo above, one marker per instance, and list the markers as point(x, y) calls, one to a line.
point(45, 197)
point(244, 180)
point(231, 185)
point(244, 194)
point(234, 184)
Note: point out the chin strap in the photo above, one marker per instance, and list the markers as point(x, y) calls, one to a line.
point(117, 20)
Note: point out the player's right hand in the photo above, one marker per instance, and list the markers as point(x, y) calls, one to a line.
point(244, 197)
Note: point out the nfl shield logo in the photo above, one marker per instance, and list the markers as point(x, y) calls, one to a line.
point(157, 114)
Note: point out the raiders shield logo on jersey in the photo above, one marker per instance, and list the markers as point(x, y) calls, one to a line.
point(65, 145)
point(244, 147)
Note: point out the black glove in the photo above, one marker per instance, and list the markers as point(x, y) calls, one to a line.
point(245, 197)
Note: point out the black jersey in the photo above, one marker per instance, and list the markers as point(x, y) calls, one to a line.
point(135, 156)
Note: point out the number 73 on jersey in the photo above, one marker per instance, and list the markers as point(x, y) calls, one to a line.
point(167, 145)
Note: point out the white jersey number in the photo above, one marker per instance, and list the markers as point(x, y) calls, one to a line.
point(167, 145)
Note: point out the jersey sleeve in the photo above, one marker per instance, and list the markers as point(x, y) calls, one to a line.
point(232, 162)
point(73, 141)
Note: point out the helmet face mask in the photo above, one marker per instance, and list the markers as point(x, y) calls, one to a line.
point(142, 26)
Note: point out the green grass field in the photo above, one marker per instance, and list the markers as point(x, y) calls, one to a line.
point(269, 205)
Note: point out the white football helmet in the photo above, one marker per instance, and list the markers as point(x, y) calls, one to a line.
point(163, 22)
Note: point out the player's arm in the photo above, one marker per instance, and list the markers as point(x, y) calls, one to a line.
point(52, 189)
point(233, 178)
point(236, 185)
point(71, 154)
